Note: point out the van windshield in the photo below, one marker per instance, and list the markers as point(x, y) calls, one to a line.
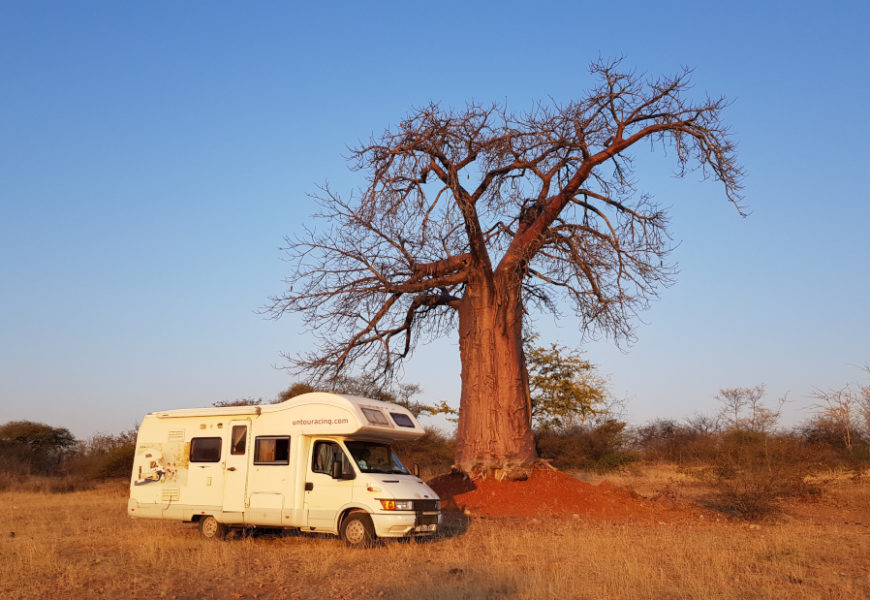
point(372, 457)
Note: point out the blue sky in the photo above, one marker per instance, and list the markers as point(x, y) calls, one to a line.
point(153, 156)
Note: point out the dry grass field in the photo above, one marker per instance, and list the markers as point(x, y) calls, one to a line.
point(82, 545)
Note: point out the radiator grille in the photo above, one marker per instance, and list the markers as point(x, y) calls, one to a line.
point(425, 505)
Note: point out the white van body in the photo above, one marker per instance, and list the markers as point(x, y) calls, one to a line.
point(307, 463)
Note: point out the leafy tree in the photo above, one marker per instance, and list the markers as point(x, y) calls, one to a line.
point(564, 388)
point(472, 218)
point(297, 389)
point(36, 436)
point(27, 447)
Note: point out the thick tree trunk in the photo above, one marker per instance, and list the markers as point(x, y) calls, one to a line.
point(495, 436)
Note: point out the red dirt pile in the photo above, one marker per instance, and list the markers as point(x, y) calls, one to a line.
point(546, 493)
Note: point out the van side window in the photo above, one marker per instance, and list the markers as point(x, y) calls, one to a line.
point(402, 420)
point(205, 449)
point(272, 450)
point(375, 417)
point(325, 453)
point(238, 439)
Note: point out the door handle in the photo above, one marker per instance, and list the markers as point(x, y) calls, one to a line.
point(309, 486)
point(231, 468)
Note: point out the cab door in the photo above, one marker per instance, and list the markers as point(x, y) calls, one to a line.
point(236, 466)
point(324, 494)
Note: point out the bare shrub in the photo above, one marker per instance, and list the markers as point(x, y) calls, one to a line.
point(599, 447)
point(754, 470)
point(665, 440)
point(826, 438)
point(434, 452)
point(103, 456)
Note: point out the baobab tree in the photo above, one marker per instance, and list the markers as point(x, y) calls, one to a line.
point(474, 218)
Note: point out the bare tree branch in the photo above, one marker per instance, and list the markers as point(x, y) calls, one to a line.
point(541, 201)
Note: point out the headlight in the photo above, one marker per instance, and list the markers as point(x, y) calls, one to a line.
point(397, 504)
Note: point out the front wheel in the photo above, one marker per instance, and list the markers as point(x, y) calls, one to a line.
point(357, 530)
point(210, 529)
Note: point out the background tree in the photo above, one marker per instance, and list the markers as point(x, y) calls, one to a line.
point(863, 396)
point(742, 409)
point(297, 389)
point(471, 218)
point(238, 402)
point(368, 387)
point(564, 388)
point(29, 447)
point(837, 411)
point(733, 402)
point(401, 393)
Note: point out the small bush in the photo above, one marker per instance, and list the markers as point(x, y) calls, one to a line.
point(599, 447)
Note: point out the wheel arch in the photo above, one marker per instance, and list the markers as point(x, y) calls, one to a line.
point(347, 511)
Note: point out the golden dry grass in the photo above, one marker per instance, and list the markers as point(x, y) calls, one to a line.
point(82, 545)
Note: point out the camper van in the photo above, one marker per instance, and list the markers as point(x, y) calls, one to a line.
point(318, 462)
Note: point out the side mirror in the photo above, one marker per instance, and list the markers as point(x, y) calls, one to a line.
point(337, 472)
point(417, 470)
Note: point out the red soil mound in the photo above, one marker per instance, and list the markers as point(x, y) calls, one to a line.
point(546, 493)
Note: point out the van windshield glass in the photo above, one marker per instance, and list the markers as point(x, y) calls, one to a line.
point(372, 457)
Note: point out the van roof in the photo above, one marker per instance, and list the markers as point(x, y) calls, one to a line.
point(327, 398)
point(323, 413)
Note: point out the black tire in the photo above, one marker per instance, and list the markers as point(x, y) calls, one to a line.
point(357, 530)
point(210, 529)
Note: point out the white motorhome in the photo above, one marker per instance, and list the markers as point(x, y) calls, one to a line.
point(318, 462)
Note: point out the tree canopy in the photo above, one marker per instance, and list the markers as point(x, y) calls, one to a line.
point(565, 389)
point(38, 437)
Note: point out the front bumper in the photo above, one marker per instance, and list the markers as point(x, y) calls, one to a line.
point(404, 524)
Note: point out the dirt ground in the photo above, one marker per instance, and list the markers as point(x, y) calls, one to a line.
point(550, 493)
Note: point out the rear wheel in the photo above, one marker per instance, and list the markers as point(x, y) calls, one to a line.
point(357, 530)
point(210, 529)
